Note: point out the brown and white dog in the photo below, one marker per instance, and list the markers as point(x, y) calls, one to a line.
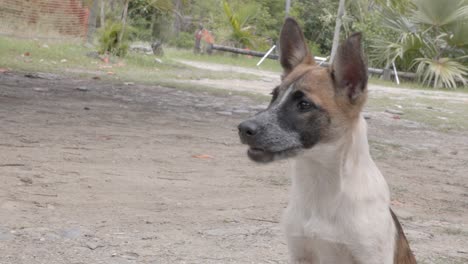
point(339, 207)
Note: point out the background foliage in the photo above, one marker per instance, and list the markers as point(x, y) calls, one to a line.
point(427, 37)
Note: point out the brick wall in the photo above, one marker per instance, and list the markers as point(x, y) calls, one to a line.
point(43, 18)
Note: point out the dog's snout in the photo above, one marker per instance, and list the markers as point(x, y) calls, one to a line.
point(248, 128)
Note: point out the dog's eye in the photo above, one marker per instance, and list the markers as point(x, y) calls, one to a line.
point(304, 105)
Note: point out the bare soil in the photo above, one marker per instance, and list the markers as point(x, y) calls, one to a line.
point(115, 173)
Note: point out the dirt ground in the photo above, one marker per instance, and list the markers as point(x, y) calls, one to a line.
point(99, 172)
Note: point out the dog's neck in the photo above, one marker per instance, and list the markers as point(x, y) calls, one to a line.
point(328, 172)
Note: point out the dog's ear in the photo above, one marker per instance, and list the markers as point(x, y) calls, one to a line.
point(293, 48)
point(349, 72)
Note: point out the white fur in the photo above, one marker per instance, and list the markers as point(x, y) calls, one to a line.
point(338, 211)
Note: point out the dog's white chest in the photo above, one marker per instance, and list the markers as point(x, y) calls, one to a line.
point(338, 210)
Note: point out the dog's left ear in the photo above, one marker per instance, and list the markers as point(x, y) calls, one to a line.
point(293, 48)
point(349, 72)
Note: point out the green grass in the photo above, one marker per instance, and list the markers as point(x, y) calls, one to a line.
point(42, 58)
point(66, 57)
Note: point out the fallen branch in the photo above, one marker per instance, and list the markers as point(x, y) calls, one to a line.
point(12, 165)
point(177, 172)
point(244, 51)
point(262, 220)
point(173, 179)
point(41, 194)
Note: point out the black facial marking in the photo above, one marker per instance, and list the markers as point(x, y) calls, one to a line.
point(301, 115)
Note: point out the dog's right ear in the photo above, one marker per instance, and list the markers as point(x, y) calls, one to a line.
point(293, 48)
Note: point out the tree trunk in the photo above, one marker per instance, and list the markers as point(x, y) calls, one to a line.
point(92, 22)
point(124, 20)
point(176, 27)
point(336, 35)
point(112, 5)
point(103, 13)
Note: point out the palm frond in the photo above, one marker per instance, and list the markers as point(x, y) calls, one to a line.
point(240, 32)
point(439, 13)
point(441, 72)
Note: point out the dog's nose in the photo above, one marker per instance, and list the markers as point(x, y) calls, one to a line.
point(248, 128)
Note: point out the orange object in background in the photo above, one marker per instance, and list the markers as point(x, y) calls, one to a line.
point(207, 36)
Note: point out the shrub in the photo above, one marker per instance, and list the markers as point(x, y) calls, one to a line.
point(185, 40)
point(109, 40)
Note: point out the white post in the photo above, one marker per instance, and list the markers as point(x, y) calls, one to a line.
point(266, 55)
point(336, 35)
point(287, 7)
point(396, 74)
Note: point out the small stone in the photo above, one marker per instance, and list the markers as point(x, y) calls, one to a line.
point(366, 116)
point(86, 108)
point(40, 89)
point(26, 180)
point(403, 214)
point(4, 236)
point(393, 111)
point(129, 83)
point(225, 113)
point(93, 245)
point(130, 255)
point(82, 88)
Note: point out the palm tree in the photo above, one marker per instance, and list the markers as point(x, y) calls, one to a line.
point(240, 32)
point(430, 39)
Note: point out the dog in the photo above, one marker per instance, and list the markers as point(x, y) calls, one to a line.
point(339, 206)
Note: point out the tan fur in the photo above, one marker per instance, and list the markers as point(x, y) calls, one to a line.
point(403, 254)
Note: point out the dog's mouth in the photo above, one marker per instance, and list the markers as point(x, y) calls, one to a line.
point(264, 156)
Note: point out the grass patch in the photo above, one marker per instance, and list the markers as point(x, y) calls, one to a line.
point(224, 58)
point(67, 57)
point(43, 56)
point(440, 114)
point(413, 85)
